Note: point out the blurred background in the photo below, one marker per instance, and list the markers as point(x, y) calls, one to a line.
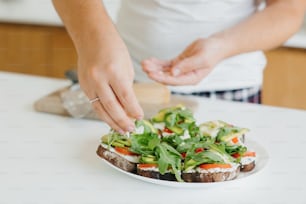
point(34, 41)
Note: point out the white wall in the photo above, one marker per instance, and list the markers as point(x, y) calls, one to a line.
point(40, 12)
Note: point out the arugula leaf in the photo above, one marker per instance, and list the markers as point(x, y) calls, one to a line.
point(194, 159)
point(221, 149)
point(170, 119)
point(115, 139)
point(214, 154)
point(144, 143)
point(191, 144)
point(194, 130)
point(153, 142)
point(232, 149)
point(173, 140)
point(168, 156)
point(227, 133)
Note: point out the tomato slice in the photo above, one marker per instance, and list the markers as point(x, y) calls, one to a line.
point(246, 154)
point(236, 155)
point(125, 151)
point(183, 155)
point(211, 166)
point(167, 130)
point(249, 154)
point(235, 140)
point(200, 149)
point(143, 166)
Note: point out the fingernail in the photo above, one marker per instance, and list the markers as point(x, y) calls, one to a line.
point(176, 72)
point(121, 132)
point(130, 128)
point(139, 117)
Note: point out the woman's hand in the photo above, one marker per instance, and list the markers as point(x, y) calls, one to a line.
point(105, 71)
point(104, 66)
point(190, 67)
point(263, 30)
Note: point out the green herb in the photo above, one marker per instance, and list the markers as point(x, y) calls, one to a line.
point(168, 156)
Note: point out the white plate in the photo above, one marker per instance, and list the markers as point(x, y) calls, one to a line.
point(261, 161)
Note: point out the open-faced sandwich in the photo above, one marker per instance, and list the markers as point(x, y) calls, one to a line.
point(171, 146)
point(115, 148)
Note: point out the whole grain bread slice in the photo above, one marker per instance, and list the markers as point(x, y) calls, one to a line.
point(247, 167)
point(210, 177)
point(156, 174)
point(116, 159)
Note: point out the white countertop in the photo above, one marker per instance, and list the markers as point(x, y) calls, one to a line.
point(47, 158)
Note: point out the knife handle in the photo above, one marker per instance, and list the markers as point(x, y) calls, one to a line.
point(72, 75)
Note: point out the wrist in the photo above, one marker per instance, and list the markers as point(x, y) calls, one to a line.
point(98, 40)
point(224, 47)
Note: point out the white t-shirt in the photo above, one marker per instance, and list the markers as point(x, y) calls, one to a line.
point(164, 28)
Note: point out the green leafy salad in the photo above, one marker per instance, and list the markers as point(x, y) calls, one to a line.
point(172, 142)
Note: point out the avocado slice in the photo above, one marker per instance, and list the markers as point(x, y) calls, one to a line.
point(176, 130)
point(148, 127)
point(149, 159)
point(160, 116)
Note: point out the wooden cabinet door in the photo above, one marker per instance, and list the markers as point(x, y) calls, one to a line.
point(37, 50)
point(285, 78)
point(64, 55)
point(24, 49)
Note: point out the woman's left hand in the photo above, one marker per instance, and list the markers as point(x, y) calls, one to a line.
point(190, 67)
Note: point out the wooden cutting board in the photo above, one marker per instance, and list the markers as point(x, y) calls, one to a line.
point(151, 96)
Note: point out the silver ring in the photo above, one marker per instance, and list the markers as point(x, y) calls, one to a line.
point(94, 100)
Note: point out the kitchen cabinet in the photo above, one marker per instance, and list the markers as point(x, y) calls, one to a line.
point(48, 51)
point(37, 50)
point(285, 78)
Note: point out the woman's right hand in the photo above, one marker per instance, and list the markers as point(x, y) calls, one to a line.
point(104, 65)
point(105, 71)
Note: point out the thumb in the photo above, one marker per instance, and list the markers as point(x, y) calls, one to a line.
point(185, 65)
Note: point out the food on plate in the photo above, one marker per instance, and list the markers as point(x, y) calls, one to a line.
point(115, 149)
point(172, 146)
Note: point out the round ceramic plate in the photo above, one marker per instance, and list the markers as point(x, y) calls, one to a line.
point(261, 161)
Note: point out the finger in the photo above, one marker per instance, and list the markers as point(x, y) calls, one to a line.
point(186, 65)
point(179, 58)
point(114, 109)
point(103, 115)
point(190, 78)
point(159, 61)
point(154, 64)
point(127, 98)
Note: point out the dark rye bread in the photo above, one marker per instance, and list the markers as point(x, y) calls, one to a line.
point(210, 177)
point(156, 175)
point(247, 167)
point(116, 159)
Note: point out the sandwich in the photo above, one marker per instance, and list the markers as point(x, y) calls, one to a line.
point(209, 164)
point(233, 140)
point(172, 146)
point(115, 148)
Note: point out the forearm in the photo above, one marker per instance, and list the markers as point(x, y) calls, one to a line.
point(265, 29)
point(86, 21)
point(101, 53)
